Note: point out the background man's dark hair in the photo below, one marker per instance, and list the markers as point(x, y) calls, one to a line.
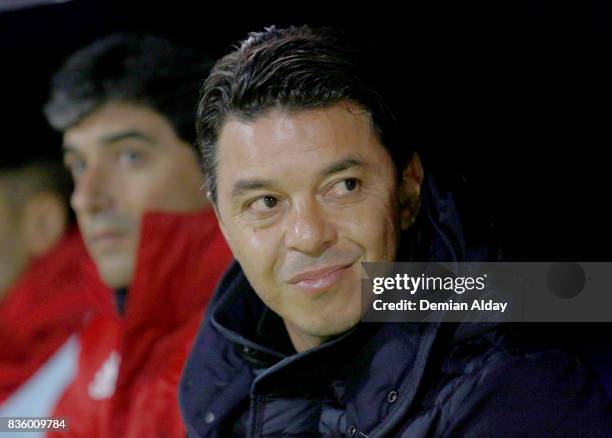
point(139, 69)
point(294, 69)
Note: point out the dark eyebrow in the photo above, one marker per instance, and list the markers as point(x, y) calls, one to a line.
point(126, 135)
point(116, 137)
point(245, 185)
point(341, 165)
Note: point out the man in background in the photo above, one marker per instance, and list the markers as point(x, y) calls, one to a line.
point(41, 299)
point(125, 106)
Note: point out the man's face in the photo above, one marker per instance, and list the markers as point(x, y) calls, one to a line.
point(303, 199)
point(126, 160)
point(13, 256)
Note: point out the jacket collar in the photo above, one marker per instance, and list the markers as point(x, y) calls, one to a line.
point(344, 362)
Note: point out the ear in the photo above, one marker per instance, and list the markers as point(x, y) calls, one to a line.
point(44, 222)
point(410, 191)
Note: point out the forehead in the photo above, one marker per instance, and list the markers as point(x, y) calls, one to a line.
point(285, 142)
point(117, 118)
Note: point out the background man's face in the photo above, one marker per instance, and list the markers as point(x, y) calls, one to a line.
point(303, 198)
point(126, 160)
point(13, 254)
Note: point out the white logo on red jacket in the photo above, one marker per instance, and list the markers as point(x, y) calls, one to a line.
point(103, 385)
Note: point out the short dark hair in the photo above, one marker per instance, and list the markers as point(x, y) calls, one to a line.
point(139, 69)
point(294, 69)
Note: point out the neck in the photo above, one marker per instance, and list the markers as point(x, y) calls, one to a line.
point(303, 341)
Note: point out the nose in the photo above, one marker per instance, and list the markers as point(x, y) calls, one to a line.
point(309, 230)
point(91, 190)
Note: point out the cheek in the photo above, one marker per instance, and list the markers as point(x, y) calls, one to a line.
point(377, 237)
point(253, 247)
point(138, 197)
point(374, 227)
point(154, 191)
point(256, 251)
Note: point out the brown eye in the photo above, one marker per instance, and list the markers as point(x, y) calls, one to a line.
point(263, 205)
point(350, 184)
point(269, 201)
point(344, 189)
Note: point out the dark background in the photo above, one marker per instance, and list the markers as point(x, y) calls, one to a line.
point(516, 99)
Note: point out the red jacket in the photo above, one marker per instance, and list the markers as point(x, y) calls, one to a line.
point(130, 365)
point(41, 310)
